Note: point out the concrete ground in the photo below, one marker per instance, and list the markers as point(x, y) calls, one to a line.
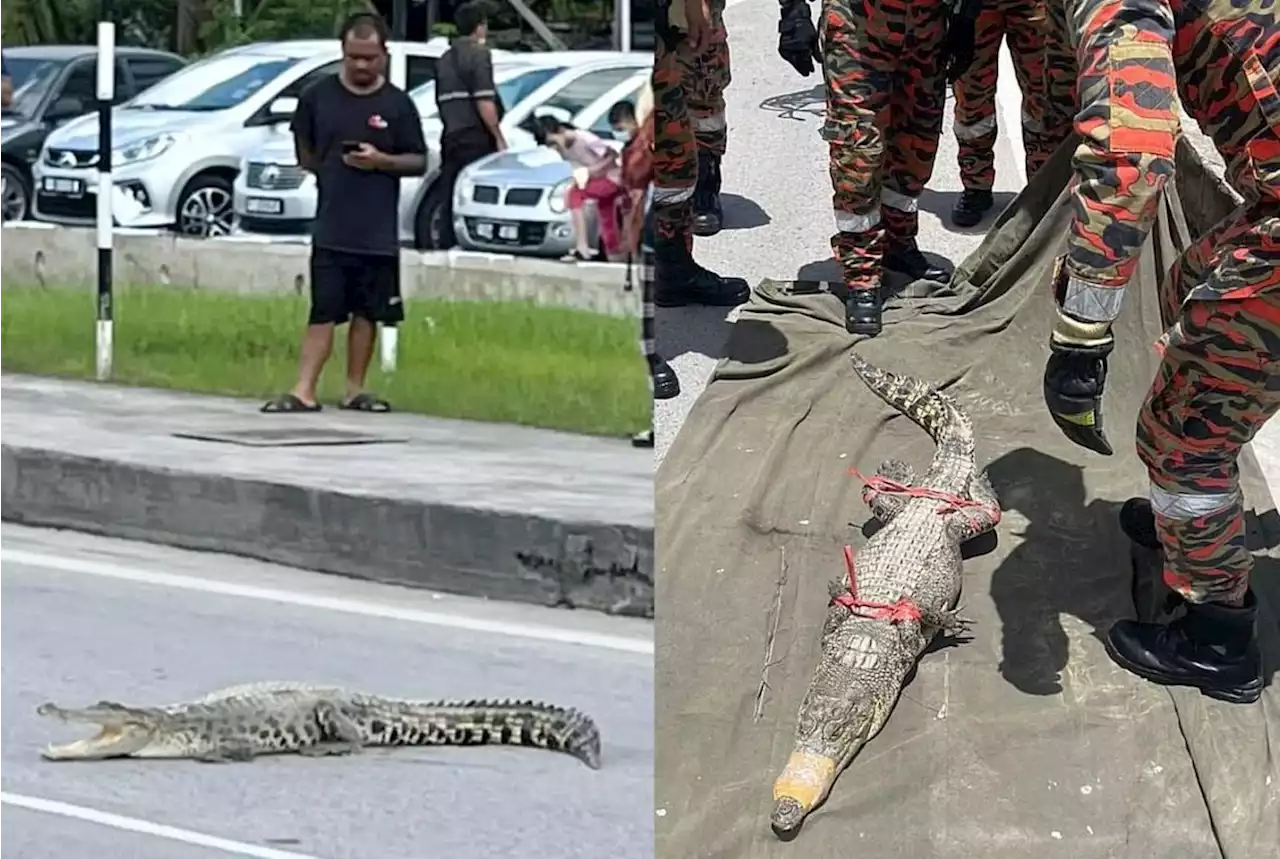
point(87, 618)
point(777, 194)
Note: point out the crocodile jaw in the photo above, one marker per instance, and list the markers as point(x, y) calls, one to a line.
point(812, 768)
point(123, 732)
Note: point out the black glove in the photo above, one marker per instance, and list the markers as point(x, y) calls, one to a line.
point(797, 39)
point(1074, 378)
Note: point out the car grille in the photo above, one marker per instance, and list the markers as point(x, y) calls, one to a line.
point(85, 207)
point(515, 196)
point(69, 158)
point(524, 196)
point(532, 234)
point(274, 177)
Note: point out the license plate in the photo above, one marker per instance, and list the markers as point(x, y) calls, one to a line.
point(264, 206)
point(62, 187)
point(504, 232)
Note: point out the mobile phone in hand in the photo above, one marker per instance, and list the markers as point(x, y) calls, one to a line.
point(349, 146)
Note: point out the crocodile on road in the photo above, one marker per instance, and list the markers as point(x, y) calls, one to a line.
point(902, 589)
point(240, 723)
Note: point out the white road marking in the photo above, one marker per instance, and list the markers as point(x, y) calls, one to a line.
point(144, 827)
point(1009, 104)
point(343, 604)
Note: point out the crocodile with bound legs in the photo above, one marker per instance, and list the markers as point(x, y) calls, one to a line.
point(241, 722)
point(903, 588)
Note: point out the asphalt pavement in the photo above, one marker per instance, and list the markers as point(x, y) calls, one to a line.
point(87, 618)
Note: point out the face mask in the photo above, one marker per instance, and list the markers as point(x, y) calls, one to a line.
point(622, 135)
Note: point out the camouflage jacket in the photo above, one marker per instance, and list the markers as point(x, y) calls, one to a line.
point(1135, 58)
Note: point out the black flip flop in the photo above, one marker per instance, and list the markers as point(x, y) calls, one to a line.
point(365, 403)
point(287, 403)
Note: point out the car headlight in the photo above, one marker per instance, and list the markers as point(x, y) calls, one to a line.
point(556, 200)
point(142, 150)
point(463, 190)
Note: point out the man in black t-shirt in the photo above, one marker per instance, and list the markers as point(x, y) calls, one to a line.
point(358, 134)
point(470, 109)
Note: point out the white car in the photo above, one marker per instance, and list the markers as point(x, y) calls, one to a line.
point(274, 196)
point(562, 82)
point(178, 146)
point(514, 201)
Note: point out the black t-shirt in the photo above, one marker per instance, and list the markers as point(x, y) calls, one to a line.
point(357, 210)
point(464, 75)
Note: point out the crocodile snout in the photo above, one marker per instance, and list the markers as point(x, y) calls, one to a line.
point(787, 815)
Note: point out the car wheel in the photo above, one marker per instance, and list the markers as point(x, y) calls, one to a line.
point(430, 232)
point(16, 194)
point(205, 208)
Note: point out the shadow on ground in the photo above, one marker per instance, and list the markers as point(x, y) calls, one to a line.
point(941, 203)
point(700, 330)
point(741, 213)
point(798, 106)
point(1036, 583)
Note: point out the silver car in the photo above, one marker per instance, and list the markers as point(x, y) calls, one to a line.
point(178, 146)
point(274, 196)
point(514, 201)
point(557, 81)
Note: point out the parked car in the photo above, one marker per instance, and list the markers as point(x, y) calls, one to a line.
point(274, 196)
point(178, 146)
point(514, 201)
point(53, 84)
point(579, 78)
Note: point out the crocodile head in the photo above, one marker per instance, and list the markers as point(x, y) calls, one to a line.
point(849, 700)
point(123, 731)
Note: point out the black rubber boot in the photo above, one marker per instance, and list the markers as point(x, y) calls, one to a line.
point(972, 206)
point(905, 258)
point(1212, 648)
point(863, 311)
point(1138, 522)
point(679, 281)
point(707, 214)
point(666, 385)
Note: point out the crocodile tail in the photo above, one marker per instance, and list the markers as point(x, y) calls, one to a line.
point(508, 722)
point(934, 411)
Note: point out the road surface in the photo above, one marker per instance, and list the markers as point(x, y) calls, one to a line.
point(86, 618)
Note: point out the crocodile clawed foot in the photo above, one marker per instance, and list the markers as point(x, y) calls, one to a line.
point(951, 622)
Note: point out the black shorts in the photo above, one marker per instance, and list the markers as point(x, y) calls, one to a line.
point(348, 284)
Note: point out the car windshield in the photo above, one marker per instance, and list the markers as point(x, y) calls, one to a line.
point(218, 83)
point(512, 91)
point(31, 81)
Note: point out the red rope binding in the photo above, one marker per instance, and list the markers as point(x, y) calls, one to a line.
point(897, 612)
point(904, 609)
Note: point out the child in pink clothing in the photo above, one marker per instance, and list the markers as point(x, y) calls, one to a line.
point(583, 149)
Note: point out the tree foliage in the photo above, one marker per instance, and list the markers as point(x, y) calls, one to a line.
point(203, 26)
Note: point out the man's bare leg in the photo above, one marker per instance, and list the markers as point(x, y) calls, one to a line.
point(317, 344)
point(361, 337)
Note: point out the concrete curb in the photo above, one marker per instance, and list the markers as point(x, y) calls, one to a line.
point(34, 253)
point(460, 550)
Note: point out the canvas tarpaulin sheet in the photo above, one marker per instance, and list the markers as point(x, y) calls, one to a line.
point(1024, 740)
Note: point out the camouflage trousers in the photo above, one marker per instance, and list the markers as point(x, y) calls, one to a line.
point(885, 95)
point(688, 104)
point(1218, 383)
point(1059, 77)
point(1023, 23)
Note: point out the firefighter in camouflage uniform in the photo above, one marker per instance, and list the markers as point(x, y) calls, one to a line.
point(684, 33)
point(1219, 376)
point(886, 65)
point(1022, 23)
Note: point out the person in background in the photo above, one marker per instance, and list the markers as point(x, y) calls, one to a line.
point(635, 126)
point(597, 177)
point(358, 134)
point(6, 83)
point(470, 109)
